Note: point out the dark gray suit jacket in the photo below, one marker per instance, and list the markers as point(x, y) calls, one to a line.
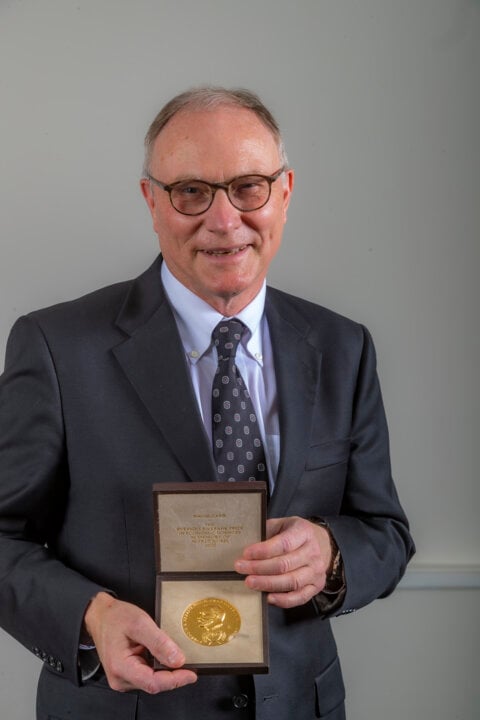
point(96, 405)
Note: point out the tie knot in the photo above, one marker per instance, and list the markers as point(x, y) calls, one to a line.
point(226, 336)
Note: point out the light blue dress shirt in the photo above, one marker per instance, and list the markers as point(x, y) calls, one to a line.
point(196, 320)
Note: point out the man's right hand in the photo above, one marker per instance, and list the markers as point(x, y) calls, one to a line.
point(122, 633)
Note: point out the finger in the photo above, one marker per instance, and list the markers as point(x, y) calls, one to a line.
point(135, 674)
point(274, 526)
point(164, 680)
point(143, 677)
point(293, 599)
point(279, 565)
point(285, 538)
point(290, 582)
point(132, 671)
point(144, 631)
point(163, 648)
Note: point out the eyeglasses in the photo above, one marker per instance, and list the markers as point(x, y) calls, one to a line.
point(194, 197)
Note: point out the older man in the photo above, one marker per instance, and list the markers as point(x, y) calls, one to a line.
point(108, 394)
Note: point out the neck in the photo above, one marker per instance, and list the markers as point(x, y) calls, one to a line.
point(228, 307)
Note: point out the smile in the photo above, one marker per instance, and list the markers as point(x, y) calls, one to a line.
point(233, 251)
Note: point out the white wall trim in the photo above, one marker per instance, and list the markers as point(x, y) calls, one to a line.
point(441, 577)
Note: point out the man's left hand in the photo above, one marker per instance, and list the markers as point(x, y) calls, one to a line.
point(291, 564)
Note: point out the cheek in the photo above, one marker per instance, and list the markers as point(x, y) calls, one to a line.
point(271, 230)
point(273, 216)
point(173, 230)
point(265, 222)
point(158, 223)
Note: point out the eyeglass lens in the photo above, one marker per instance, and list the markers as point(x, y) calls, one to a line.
point(246, 193)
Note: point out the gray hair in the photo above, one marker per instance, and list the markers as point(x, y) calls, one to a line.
point(210, 98)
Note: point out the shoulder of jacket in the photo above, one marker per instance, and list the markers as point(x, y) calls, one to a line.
point(316, 315)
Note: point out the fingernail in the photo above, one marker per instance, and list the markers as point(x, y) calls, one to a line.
point(174, 657)
point(240, 565)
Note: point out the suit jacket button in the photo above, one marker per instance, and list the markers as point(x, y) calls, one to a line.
point(240, 701)
point(59, 666)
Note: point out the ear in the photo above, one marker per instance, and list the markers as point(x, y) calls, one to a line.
point(146, 188)
point(288, 184)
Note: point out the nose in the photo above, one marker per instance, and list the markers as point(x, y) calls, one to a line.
point(221, 216)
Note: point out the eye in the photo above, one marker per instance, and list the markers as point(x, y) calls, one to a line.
point(248, 186)
point(192, 189)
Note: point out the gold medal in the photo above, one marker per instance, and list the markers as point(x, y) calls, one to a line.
point(211, 621)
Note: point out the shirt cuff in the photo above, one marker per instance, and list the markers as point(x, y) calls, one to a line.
point(88, 662)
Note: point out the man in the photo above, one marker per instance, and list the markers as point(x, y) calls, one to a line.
point(106, 395)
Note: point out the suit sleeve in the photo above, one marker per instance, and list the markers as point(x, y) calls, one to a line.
point(371, 530)
point(42, 601)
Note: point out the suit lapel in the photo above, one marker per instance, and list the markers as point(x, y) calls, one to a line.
point(153, 360)
point(297, 370)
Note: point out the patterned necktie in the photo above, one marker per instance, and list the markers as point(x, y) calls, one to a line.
point(237, 446)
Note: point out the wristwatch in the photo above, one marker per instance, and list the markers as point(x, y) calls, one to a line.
point(335, 575)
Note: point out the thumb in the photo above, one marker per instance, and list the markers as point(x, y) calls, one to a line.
point(159, 644)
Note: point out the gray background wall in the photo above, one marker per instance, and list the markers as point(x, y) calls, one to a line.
point(380, 105)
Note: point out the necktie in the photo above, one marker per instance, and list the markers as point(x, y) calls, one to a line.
point(237, 446)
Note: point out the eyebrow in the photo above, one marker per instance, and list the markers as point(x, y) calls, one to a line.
point(194, 178)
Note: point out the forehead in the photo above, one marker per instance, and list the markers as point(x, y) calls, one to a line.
point(214, 144)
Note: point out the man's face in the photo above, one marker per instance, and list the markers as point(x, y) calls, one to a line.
point(222, 255)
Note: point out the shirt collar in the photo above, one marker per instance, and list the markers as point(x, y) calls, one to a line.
point(196, 319)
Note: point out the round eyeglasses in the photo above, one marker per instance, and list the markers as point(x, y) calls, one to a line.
point(194, 197)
